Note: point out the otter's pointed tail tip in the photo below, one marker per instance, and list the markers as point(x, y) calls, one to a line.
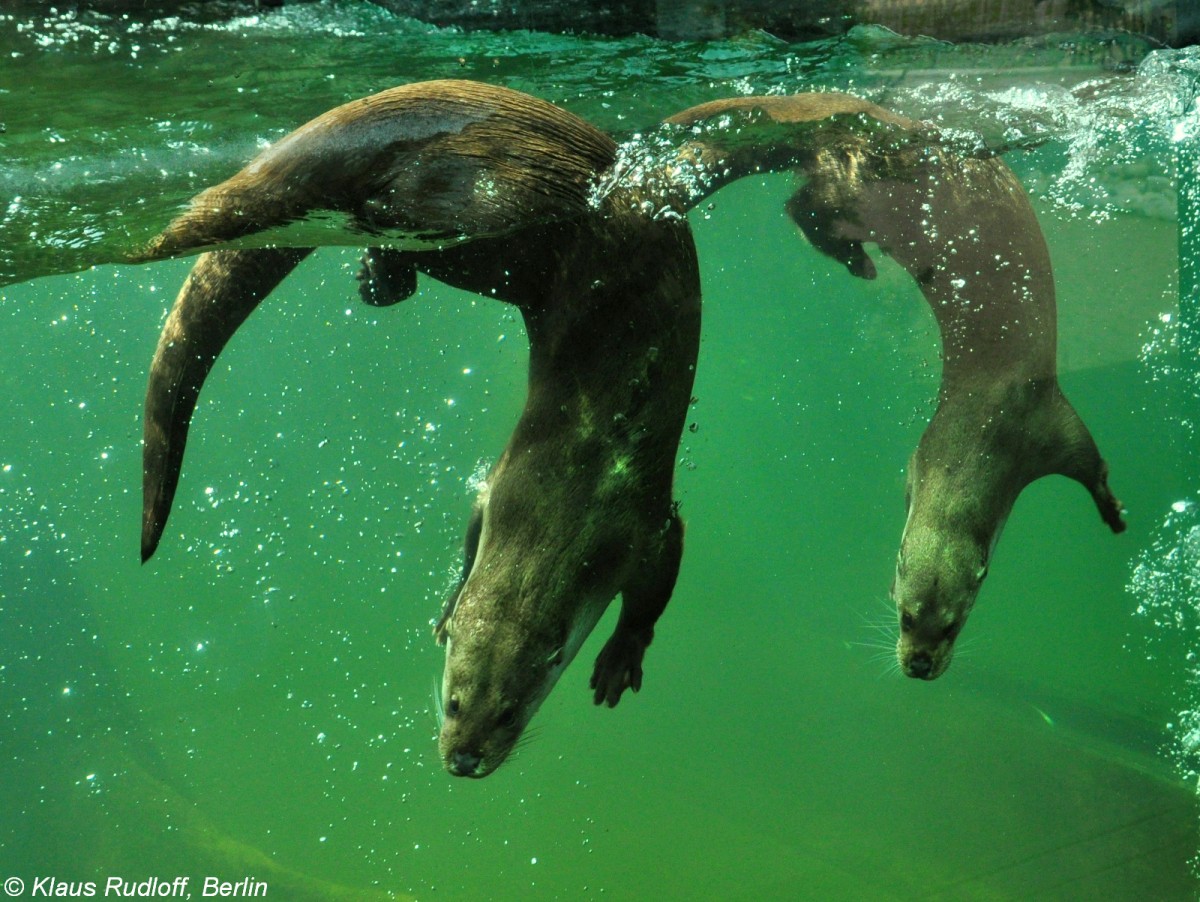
point(156, 507)
point(151, 534)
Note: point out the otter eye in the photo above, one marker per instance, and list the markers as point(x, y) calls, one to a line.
point(906, 621)
point(952, 631)
point(452, 706)
point(508, 717)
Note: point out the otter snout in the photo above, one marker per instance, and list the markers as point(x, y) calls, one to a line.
point(922, 661)
point(464, 764)
point(919, 666)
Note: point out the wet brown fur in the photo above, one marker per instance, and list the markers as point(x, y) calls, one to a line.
point(417, 159)
point(961, 225)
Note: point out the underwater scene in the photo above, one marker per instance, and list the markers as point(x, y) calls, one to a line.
point(256, 710)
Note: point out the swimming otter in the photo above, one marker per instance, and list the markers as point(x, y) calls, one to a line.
point(579, 506)
point(1002, 421)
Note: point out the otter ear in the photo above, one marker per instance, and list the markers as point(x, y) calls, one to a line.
point(981, 573)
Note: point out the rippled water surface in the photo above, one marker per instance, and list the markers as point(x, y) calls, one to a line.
point(257, 700)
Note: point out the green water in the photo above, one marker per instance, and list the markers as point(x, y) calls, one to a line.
point(257, 700)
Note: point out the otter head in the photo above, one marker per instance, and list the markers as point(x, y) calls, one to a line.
point(525, 604)
point(938, 575)
point(496, 676)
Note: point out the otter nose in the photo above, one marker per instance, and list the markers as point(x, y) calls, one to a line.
point(920, 665)
point(464, 764)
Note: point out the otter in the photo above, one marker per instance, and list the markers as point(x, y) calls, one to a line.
point(963, 227)
point(1002, 420)
point(578, 507)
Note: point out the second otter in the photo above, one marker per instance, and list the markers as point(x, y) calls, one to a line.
point(1002, 421)
point(963, 228)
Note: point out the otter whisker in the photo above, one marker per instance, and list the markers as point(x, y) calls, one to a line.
point(967, 646)
point(879, 620)
point(880, 652)
point(890, 668)
point(886, 630)
point(883, 630)
point(884, 654)
point(527, 737)
point(887, 617)
point(880, 647)
point(887, 665)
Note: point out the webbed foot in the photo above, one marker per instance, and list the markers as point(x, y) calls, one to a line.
point(1076, 456)
point(619, 665)
point(826, 229)
point(643, 599)
point(386, 277)
point(1111, 509)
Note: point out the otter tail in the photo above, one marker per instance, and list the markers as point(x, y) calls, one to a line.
point(222, 290)
point(436, 162)
point(215, 216)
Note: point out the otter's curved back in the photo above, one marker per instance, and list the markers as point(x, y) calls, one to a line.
point(434, 161)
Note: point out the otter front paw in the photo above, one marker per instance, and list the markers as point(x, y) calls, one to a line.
point(619, 667)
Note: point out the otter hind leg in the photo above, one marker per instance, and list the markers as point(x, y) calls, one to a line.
point(386, 277)
point(643, 599)
point(825, 228)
